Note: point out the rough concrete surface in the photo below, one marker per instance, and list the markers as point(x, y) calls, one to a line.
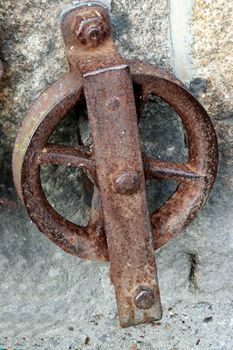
point(51, 300)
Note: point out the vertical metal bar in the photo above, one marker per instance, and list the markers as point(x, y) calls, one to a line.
point(113, 120)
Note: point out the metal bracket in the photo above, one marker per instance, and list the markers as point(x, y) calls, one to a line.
point(120, 229)
point(112, 115)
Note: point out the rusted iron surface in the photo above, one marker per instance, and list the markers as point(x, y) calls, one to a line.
point(31, 150)
point(110, 103)
point(195, 178)
point(72, 83)
point(120, 174)
point(92, 23)
point(119, 229)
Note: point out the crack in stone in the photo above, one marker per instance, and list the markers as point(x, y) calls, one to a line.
point(192, 272)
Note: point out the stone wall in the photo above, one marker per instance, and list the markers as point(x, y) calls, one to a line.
point(51, 300)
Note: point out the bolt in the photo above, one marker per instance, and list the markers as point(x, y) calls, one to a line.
point(128, 183)
point(91, 31)
point(144, 297)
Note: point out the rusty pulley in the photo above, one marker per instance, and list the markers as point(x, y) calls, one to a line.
point(120, 229)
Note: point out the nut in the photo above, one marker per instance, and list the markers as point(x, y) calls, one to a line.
point(91, 31)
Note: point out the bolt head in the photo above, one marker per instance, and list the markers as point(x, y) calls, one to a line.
point(128, 183)
point(144, 297)
point(91, 30)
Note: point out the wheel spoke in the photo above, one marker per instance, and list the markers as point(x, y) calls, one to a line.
point(68, 156)
point(168, 170)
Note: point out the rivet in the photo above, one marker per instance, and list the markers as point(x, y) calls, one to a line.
point(144, 297)
point(128, 183)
